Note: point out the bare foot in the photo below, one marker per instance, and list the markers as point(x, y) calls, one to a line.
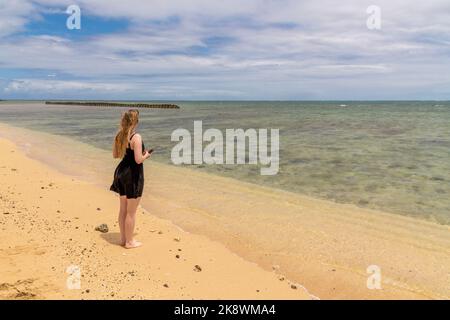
point(133, 244)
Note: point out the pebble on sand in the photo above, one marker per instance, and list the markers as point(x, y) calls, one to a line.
point(103, 228)
point(197, 268)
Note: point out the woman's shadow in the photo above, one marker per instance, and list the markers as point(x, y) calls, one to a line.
point(111, 237)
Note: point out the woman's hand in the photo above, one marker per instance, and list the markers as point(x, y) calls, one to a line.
point(147, 154)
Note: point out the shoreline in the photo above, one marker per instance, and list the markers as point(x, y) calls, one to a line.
point(331, 264)
point(41, 157)
point(383, 182)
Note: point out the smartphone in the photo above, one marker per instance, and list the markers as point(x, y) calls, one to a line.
point(149, 151)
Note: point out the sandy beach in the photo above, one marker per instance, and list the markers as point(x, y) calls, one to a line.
point(48, 224)
point(49, 215)
point(288, 150)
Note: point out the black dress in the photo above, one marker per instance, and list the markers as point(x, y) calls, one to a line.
point(129, 176)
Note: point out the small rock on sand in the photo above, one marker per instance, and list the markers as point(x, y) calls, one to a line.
point(103, 228)
point(197, 268)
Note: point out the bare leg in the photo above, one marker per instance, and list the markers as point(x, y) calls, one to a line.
point(130, 221)
point(122, 216)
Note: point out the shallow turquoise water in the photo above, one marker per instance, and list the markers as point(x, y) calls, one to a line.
point(393, 156)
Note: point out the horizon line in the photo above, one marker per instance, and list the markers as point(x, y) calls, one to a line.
point(235, 100)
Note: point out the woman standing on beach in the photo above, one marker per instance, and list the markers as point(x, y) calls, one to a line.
point(129, 175)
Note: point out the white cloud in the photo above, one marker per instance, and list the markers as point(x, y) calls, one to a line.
point(14, 14)
point(291, 49)
point(58, 86)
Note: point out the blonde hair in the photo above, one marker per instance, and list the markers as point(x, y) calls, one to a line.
point(128, 122)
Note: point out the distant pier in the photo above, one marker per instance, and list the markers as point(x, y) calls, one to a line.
point(116, 104)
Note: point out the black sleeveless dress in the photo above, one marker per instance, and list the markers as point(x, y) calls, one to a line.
point(129, 176)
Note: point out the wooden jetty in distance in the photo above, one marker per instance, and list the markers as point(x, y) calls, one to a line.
point(116, 104)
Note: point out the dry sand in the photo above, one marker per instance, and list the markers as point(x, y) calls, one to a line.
point(47, 223)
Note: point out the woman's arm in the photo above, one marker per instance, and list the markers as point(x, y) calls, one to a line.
point(137, 148)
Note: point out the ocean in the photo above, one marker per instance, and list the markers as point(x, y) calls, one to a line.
point(384, 155)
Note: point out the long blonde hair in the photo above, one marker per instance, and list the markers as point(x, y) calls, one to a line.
point(128, 122)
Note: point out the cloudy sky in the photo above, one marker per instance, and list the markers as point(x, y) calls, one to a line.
point(233, 49)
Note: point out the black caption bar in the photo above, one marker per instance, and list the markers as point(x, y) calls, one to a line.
point(212, 309)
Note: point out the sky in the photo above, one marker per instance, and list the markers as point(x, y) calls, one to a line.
point(225, 50)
